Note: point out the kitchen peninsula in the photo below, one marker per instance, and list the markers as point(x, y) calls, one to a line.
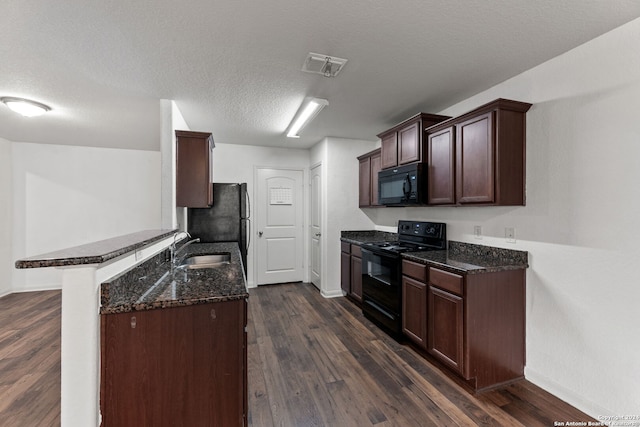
point(129, 281)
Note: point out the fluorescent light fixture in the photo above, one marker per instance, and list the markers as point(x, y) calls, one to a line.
point(309, 109)
point(25, 107)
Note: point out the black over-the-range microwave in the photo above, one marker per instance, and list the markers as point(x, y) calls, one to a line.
point(402, 186)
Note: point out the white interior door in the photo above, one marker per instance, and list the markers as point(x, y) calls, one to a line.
point(315, 231)
point(279, 226)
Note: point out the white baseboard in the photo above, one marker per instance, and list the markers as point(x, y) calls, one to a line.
point(332, 294)
point(39, 288)
point(571, 397)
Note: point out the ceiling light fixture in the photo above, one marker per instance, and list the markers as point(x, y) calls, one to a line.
point(26, 107)
point(309, 109)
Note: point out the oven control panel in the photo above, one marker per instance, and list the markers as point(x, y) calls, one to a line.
point(421, 228)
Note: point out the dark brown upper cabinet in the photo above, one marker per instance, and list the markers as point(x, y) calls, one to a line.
point(404, 143)
point(368, 181)
point(479, 158)
point(194, 171)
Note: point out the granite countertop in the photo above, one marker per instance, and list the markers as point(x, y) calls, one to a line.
point(96, 252)
point(152, 285)
point(366, 236)
point(467, 258)
point(461, 258)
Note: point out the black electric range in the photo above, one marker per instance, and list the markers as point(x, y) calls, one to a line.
point(382, 271)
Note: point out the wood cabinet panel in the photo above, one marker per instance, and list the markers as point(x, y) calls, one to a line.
point(446, 328)
point(448, 281)
point(404, 143)
point(409, 144)
point(441, 188)
point(345, 272)
point(414, 311)
point(356, 278)
point(193, 169)
point(389, 153)
point(356, 250)
point(370, 165)
point(376, 166)
point(365, 182)
point(414, 270)
point(175, 366)
point(475, 150)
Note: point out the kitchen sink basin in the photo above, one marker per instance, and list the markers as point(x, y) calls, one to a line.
point(206, 261)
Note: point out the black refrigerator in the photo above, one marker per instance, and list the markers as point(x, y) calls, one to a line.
point(227, 220)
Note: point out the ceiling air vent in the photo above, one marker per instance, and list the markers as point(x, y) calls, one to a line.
point(328, 66)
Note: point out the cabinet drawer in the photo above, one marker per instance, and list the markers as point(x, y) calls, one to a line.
point(415, 270)
point(345, 247)
point(356, 251)
point(445, 280)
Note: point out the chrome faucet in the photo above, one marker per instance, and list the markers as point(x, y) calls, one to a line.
point(175, 251)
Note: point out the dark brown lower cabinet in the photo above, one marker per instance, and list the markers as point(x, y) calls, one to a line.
point(181, 366)
point(345, 267)
point(446, 332)
point(476, 324)
point(414, 311)
point(356, 278)
point(351, 270)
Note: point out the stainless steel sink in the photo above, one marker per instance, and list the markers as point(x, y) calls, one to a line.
point(206, 261)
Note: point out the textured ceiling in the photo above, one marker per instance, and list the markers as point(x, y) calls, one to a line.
point(233, 67)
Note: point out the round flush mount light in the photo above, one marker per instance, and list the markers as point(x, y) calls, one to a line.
point(26, 107)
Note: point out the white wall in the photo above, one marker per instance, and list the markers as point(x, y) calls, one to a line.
point(65, 196)
point(6, 204)
point(340, 209)
point(580, 222)
point(237, 163)
point(171, 119)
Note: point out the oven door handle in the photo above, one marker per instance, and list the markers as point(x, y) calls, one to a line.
point(380, 254)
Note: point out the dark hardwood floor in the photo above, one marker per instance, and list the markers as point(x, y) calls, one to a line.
point(30, 359)
point(319, 362)
point(312, 362)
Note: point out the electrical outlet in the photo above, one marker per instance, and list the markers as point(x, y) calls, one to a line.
point(477, 231)
point(510, 234)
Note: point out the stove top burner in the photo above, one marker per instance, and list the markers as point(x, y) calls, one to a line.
point(414, 236)
point(398, 246)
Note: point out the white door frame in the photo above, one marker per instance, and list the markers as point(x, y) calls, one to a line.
point(321, 239)
point(305, 217)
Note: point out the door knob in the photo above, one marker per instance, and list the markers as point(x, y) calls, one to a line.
point(318, 234)
point(259, 233)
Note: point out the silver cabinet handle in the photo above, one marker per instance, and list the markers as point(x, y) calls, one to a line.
point(318, 234)
point(259, 233)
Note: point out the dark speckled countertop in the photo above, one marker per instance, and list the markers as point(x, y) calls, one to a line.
point(467, 258)
point(152, 285)
point(461, 258)
point(360, 237)
point(96, 252)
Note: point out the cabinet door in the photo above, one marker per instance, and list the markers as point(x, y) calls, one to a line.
point(365, 182)
point(409, 149)
point(345, 272)
point(186, 362)
point(446, 333)
point(376, 166)
point(414, 311)
point(389, 147)
point(441, 172)
point(356, 278)
point(193, 169)
point(475, 160)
